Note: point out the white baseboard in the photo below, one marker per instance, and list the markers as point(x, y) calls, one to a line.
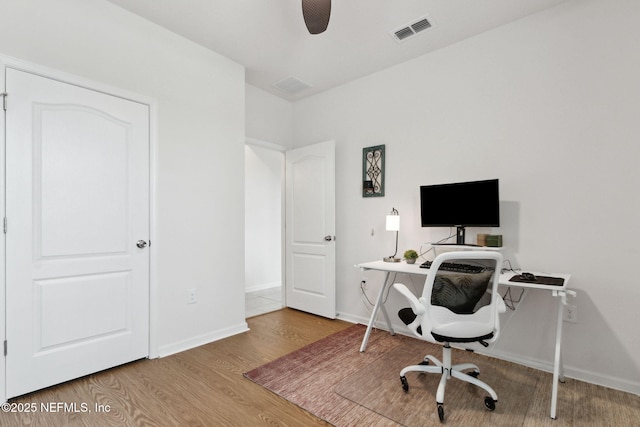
point(352, 319)
point(262, 286)
point(188, 344)
point(622, 384)
point(380, 324)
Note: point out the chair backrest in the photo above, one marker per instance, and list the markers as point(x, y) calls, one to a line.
point(463, 307)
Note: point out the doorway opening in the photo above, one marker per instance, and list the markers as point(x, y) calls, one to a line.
point(264, 228)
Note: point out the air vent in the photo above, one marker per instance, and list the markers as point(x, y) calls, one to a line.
point(421, 25)
point(411, 29)
point(291, 85)
point(404, 33)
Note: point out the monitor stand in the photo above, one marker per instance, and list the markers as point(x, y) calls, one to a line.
point(460, 235)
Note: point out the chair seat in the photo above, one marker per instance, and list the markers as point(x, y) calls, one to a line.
point(462, 332)
point(445, 338)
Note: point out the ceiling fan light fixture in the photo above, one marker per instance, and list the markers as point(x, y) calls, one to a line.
point(316, 15)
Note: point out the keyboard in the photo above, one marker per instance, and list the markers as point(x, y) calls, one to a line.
point(458, 268)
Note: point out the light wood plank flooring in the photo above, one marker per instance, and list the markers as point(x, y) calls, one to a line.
point(199, 387)
point(205, 387)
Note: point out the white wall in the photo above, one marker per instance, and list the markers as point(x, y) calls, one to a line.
point(268, 118)
point(550, 105)
point(200, 148)
point(264, 177)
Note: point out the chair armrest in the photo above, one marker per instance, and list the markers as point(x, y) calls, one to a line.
point(502, 308)
point(417, 307)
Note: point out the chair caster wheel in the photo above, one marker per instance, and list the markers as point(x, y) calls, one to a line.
point(405, 384)
point(441, 412)
point(489, 403)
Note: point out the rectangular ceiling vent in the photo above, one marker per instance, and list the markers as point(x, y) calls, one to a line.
point(411, 29)
point(291, 85)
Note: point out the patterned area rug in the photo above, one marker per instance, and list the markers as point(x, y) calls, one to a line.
point(377, 387)
point(334, 381)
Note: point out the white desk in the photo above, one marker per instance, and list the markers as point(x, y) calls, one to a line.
point(401, 267)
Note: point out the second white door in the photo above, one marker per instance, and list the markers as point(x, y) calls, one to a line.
point(310, 229)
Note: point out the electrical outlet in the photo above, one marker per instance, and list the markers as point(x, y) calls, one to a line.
point(192, 296)
point(570, 313)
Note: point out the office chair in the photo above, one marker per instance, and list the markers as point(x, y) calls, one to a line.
point(455, 308)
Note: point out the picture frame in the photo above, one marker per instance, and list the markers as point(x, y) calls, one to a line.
point(373, 175)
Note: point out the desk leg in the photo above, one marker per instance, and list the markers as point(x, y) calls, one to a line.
point(379, 306)
point(558, 367)
point(558, 370)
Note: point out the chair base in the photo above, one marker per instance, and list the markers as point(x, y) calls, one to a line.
point(432, 365)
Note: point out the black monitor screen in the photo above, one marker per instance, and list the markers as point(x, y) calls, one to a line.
point(466, 204)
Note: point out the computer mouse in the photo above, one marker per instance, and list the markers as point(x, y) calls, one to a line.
point(528, 276)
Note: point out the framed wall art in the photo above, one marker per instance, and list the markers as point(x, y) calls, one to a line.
point(373, 171)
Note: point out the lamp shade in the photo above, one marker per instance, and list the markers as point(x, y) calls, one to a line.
point(393, 222)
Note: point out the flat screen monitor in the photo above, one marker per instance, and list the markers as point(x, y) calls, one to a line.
point(460, 204)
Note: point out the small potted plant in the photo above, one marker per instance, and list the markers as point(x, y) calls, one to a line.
point(411, 256)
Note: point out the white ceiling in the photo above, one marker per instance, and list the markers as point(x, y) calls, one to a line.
point(270, 39)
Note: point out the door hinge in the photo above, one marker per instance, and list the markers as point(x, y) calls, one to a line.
point(4, 225)
point(5, 347)
point(4, 100)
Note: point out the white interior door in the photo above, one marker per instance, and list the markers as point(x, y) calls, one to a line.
point(310, 229)
point(77, 202)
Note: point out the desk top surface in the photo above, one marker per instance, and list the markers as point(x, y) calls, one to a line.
point(403, 267)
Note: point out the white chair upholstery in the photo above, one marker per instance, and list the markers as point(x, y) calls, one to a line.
point(456, 308)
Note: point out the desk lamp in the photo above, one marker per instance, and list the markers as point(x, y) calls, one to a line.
point(393, 224)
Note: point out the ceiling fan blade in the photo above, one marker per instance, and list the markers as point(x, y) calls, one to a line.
point(316, 15)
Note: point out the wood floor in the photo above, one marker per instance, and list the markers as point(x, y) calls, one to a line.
point(205, 387)
point(199, 387)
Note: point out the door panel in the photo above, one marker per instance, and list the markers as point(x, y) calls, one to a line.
point(76, 309)
point(79, 152)
point(309, 273)
point(310, 216)
point(77, 203)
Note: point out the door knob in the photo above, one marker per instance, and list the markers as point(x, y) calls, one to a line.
point(141, 244)
point(329, 238)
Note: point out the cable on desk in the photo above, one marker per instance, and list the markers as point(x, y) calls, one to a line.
point(509, 301)
point(363, 283)
point(384, 301)
point(508, 261)
point(451, 234)
point(422, 254)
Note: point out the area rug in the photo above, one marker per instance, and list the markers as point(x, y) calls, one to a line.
point(378, 388)
point(334, 381)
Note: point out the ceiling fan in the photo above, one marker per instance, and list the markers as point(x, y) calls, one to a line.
point(316, 15)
